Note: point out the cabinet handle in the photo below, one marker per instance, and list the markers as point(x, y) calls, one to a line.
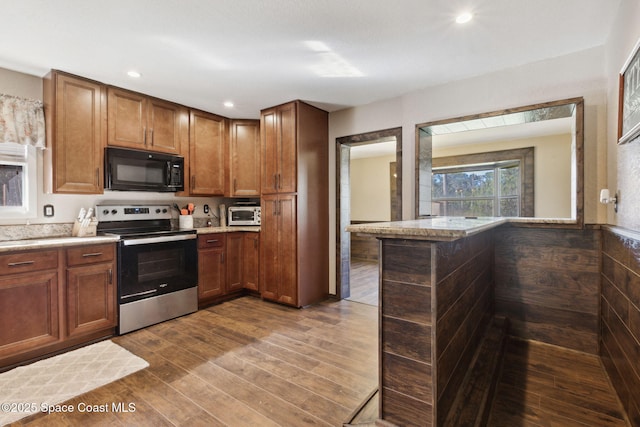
point(91, 254)
point(21, 263)
point(222, 258)
point(144, 131)
point(212, 241)
point(151, 136)
point(275, 181)
point(279, 182)
point(110, 275)
point(235, 185)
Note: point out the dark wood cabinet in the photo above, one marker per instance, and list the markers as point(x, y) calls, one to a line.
point(207, 142)
point(54, 299)
point(244, 159)
point(91, 290)
point(294, 242)
point(278, 130)
point(139, 121)
point(211, 267)
point(251, 261)
point(75, 113)
point(279, 249)
point(29, 312)
point(235, 257)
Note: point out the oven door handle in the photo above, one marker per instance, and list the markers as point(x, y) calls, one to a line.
point(158, 239)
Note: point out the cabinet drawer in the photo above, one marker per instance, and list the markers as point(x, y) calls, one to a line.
point(21, 262)
point(90, 254)
point(211, 241)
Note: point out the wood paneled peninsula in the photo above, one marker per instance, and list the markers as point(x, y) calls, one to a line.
point(436, 305)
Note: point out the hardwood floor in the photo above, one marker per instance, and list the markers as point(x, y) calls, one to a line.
point(244, 362)
point(363, 282)
point(545, 385)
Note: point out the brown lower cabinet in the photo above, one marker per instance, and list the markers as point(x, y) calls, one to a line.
point(52, 299)
point(227, 265)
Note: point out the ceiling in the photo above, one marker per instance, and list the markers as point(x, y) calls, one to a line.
point(256, 53)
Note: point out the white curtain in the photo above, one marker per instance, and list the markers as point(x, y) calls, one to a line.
point(22, 121)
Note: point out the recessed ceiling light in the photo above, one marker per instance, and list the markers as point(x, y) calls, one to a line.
point(228, 104)
point(463, 18)
point(133, 74)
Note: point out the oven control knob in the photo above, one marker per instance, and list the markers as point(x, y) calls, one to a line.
point(157, 210)
point(164, 210)
point(105, 212)
point(113, 211)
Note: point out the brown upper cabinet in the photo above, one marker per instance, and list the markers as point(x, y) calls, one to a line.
point(146, 123)
point(244, 165)
point(207, 149)
point(279, 170)
point(75, 112)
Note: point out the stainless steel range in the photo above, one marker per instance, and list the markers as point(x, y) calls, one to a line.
point(157, 265)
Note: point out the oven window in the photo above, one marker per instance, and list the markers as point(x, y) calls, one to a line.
point(157, 265)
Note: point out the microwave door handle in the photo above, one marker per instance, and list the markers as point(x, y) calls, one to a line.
point(168, 174)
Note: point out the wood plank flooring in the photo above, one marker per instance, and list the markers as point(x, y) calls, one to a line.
point(244, 362)
point(545, 385)
point(363, 282)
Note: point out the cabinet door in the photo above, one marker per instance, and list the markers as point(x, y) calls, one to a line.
point(245, 158)
point(287, 170)
point(287, 250)
point(251, 261)
point(28, 312)
point(278, 249)
point(278, 126)
point(206, 153)
point(211, 273)
point(127, 121)
point(164, 126)
point(269, 134)
point(234, 262)
point(269, 275)
point(78, 135)
point(91, 297)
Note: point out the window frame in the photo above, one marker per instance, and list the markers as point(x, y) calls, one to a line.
point(13, 154)
point(525, 157)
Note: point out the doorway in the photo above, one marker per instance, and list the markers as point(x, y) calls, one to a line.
point(344, 146)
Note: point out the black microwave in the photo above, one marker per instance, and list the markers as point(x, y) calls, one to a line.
point(137, 170)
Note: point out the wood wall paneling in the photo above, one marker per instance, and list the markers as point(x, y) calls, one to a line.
point(620, 317)
point(547, 283)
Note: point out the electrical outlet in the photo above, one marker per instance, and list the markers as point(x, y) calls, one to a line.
point(205, 208)
point(48, 210)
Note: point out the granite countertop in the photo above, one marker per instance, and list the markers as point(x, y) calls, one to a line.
point(437, 229)
point(53, 242)
point(62, 241)
point(228, 229)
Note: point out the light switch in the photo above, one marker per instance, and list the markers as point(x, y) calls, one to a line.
point(48, 210)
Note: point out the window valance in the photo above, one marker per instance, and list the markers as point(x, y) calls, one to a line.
point(22, 121)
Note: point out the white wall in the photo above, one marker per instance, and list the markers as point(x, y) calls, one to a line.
point(371, 188)
point(574, 75)
point(623, 160)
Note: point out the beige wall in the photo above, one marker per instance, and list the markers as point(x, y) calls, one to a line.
point(371, 188)
point(552, 169)
point(623, 160)
point(574, 75)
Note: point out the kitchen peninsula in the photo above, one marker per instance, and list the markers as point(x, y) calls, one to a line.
point(436, 303)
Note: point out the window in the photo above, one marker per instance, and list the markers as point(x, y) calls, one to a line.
point(488, 184)
point(17, 181)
